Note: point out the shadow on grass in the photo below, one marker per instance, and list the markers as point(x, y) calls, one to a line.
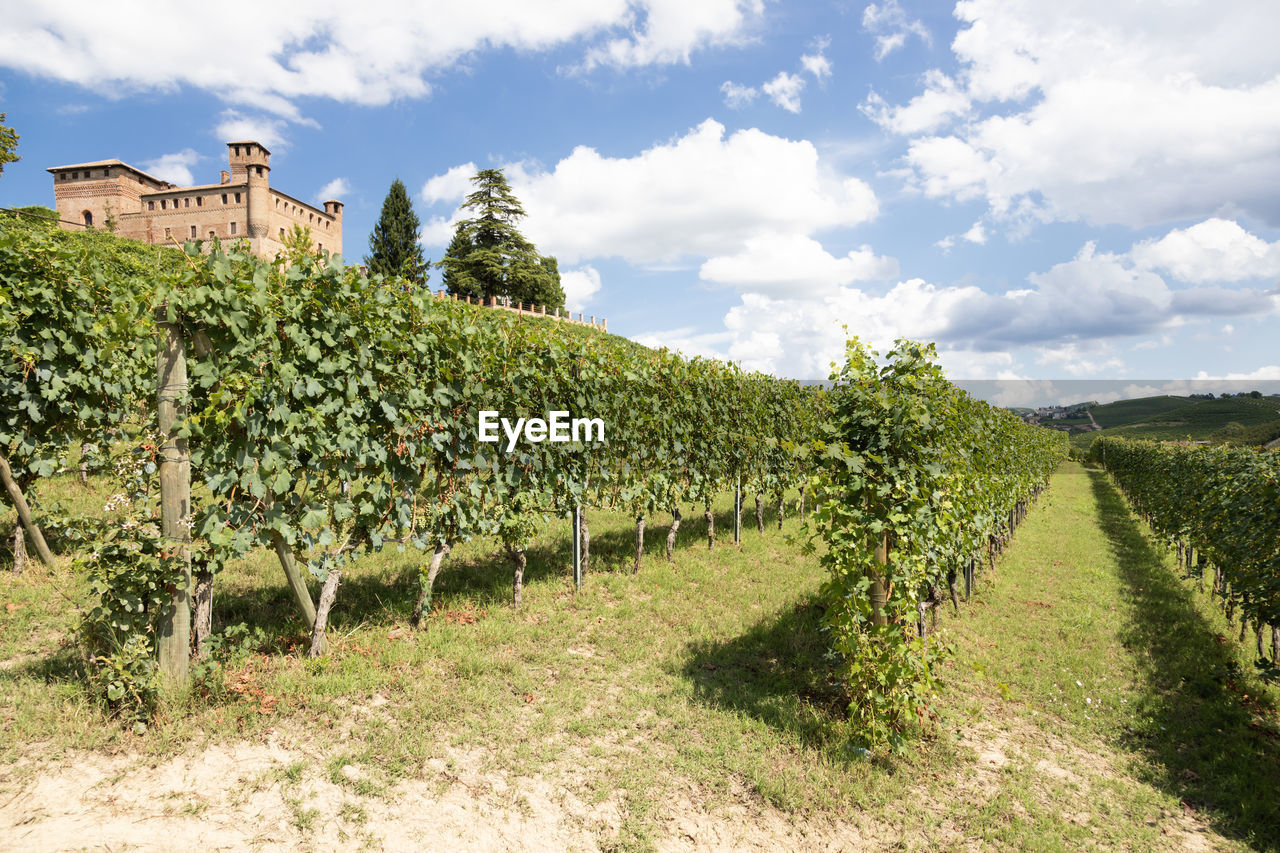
point(1199, 730)
point(776, 672)
point(64, 663)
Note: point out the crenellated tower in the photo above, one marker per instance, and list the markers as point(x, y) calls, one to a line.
point(251, 163)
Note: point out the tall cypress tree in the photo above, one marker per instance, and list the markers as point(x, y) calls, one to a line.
point(490, 257)
point(393, 245)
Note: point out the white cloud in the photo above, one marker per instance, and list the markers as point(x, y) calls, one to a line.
point(941, 101)
point(698, 196)
point(175, 168)
point(1270, 371)
point(792, 265)
point(367, 53)
point(1104, 112)
point(1089, 358)
point(235, 126)
point(438, 231)
point(1213, 250)
point(672, 30)
point(335, 189)
point(891, 26)
point(452, 186)
point(976, 234)
point(784, 90)
point(579, 286)
point(688, 341)
point(1073, 317)
point(737, 96)
point(816, 63)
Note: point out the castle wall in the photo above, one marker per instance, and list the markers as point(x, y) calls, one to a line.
point(140, 207)
point(190, 213)
point(285, 212)
point(106, 191)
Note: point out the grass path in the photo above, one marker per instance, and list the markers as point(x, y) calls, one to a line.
point(1120, 682)
point(1094, 700)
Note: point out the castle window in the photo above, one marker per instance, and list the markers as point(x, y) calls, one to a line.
point(259, 168)
point(106, 173)
point(281, 233)
point(210, 233)
point(311, 217)
point(168, 235)
point(164, 204)
point(319, 247)
point(151, 205)
point(63, 177)
point(233, 228)
point(88, 219)
point(199, 201)
point(193, 232)
point(186, 202)
point(237, 198)
point(224, 198)
point(237, 150)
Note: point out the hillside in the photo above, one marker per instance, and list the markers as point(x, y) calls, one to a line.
point(1244, 421)
point(1125, 412)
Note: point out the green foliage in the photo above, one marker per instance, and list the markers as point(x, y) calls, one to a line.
point(1238, 435)
point(1223, 502)
point(132, 572)
point(915, 469)
point(394, 250)
point(489, 257)
point(298, 245)
point(39, 210)
point(229, 647)
point(8, 144)
point(77, 349)
point(311, 376)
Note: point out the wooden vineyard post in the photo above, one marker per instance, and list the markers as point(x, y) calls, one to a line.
point(737, 512)
point(19, 550)
point(24, 513)
point(577, 546)
point(879, 593)
point(174, 641)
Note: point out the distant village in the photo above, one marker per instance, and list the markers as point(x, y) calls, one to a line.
point(1077, 414)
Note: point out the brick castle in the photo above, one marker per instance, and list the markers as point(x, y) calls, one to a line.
point(244, 205)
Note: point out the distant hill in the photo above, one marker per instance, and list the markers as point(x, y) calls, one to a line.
point(1244, 421)
point(1124, 412)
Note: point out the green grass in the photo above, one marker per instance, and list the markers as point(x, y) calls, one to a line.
point(708, 675)
point(1103, 646)
point(1127, 412)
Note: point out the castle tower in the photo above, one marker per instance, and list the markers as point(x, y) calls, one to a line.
point(251, 164)
point(334, 209)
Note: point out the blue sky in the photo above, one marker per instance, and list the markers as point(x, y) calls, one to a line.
point(1085, 192)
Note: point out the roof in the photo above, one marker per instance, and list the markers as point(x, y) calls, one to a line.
point(173, 188)
point(251, 142)
point(98, 164)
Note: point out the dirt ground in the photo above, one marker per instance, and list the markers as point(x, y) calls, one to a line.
point(274, 795)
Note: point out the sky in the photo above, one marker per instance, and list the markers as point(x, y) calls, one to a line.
point(1081, 191)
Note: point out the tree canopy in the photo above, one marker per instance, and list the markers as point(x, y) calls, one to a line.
point(393, 246)
point(488, 255)
point(8, 144)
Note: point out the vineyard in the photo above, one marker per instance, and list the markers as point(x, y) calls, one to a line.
point(264, 486)
point(306, 408)
point(1220, 507)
